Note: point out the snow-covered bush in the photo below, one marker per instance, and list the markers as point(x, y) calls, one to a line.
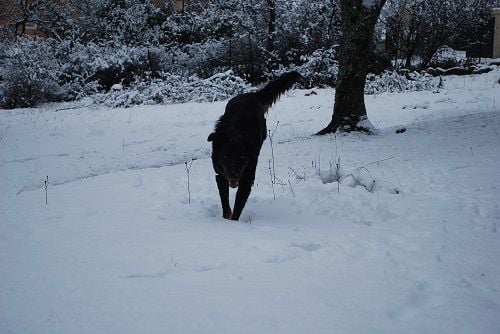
point(29, 74)
point(37, 71)
point(394, 82)
point(173, 88)
point(127, 22)
point(304, 26)
point(203, 59)
point(110, 64)
point(319, 69)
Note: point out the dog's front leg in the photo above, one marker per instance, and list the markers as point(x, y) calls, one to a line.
point(242, 194)
point(224, 195)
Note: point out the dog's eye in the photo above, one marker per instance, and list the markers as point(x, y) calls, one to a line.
point(224, 157)
point(243, 157)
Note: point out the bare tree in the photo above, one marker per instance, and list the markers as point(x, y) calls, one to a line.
point(358, 24)
point(418, 28)
point(47, 17)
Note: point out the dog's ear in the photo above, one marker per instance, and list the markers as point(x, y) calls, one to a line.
point(211, 137)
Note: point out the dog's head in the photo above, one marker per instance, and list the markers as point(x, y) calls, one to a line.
point(232, 155)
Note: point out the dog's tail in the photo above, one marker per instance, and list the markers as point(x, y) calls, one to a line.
point(272, 91)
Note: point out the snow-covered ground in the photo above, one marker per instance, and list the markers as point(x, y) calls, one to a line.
point(408, 241)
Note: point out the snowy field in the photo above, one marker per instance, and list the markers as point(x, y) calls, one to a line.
point(406, 242)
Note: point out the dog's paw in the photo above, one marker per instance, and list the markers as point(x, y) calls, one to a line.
point(228, 215)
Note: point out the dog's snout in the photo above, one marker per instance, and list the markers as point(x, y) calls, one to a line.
point(233, 174)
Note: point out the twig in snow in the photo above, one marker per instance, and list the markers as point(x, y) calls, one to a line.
point(188, 168)
point(46, 186)
point(271, 135)
point(375, 162)
point(293, 192)
point(337, 174)
point(75, 107)
point(272, 182)
point(297, 176)
point(174, 264)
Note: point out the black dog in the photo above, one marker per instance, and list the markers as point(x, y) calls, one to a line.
point(237, 140)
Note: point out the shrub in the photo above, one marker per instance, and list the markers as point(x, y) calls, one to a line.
point(394, 82)
point(37, 71)
point(320, 69)
point(29, 74)
point(172, 88)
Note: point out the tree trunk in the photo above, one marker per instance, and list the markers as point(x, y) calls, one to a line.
point(358, 25)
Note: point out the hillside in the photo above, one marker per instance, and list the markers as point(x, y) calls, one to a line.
point(407, 242)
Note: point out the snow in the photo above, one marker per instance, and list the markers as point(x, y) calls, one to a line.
point(390, 233)
point(445, 53)
point(117, 87)
point(368, 3)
